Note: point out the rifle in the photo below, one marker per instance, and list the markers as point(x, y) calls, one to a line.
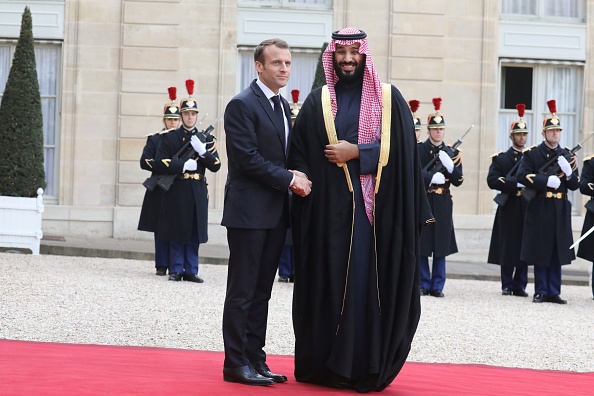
point(435, 164)
point(164, 181)
point(501, 198)
point(551, 167)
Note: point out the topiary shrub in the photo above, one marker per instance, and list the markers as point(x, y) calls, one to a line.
point(21, 121)
point(320, 77)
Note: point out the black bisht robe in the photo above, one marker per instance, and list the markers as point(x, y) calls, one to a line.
point(322, 227)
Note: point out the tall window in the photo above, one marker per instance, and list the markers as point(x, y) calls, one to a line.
point(47, 58)
point(573, 9)
point(303, 70)
point(534, 84)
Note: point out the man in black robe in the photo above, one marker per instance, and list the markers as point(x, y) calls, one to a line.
point(506, 238)
point(356, 237)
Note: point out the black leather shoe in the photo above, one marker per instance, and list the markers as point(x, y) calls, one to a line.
point(192, 278)
point(437, 293)
point(539, 298)
point(245, 375)
point(161, 271)
point(262, 369)
point(424, 292)
point(175, 277)
point(520, 293)
point(506, 292)
point(292, 278)
point(556, 300)
point(283, 279)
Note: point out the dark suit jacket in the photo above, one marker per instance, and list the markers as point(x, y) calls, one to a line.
point(257, 181)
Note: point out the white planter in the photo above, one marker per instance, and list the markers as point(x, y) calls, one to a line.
point(20, 222)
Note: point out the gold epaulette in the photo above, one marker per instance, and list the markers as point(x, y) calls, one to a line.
point(496, 154)
point(589, 158)
point(154, 133)
point(167, 130)
point(529, 148)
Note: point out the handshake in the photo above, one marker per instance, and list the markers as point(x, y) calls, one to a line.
point(301, 184)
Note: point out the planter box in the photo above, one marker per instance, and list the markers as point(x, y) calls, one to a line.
point(20, 222)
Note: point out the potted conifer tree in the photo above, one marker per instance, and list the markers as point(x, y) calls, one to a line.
point(320, 78)
point(22, 175)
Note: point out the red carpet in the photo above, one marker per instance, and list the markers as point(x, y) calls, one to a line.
point(35, 368)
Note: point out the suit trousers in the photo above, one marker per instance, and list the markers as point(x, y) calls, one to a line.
point(253, 261)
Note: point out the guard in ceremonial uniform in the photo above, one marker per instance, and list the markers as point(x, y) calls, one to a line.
point(441, 168)
point(547, 227)
point(586, 248)
point(414, 106)
point(506, 238)
point(151, 205)
point(184, 212)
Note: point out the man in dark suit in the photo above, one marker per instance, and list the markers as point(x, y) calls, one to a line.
point(257, 125)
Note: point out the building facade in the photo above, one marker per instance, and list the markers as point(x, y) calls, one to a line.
point(104, 67)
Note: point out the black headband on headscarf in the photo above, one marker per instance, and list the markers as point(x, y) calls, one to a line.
point(355, 36)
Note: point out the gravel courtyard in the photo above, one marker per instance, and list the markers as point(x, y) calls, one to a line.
point(122, 302)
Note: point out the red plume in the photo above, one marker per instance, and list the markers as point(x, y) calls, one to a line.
point(172, 93)
point(437, 103)
point(190, 86)
point(552, 106)
point(414, 105)
point(295, 95)
point(521, 107)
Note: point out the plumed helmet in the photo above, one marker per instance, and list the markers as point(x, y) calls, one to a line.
point(171, 110)
point(551, 121)
point(414, 106)
point(436, 120)
point(519, 126)
point(189, 104)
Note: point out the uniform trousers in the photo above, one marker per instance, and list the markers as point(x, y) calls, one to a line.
point(286, 266)
point(547, 279)
point(161, 252)
point(514, 278)
point(183, 256)
point(434, 280)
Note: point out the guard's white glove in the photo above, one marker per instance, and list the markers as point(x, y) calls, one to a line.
point(446, 161)
point(564, 165)
point(553, 182)
point(438, 178)
point(197, 145)
point(520, 185)
point(190, 165)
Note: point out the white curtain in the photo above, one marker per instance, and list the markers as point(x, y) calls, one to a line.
point(564, 85)
point(46, 58)
point(551, 8)
point(4, 67)
point(562, 8)
point(521, 7)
